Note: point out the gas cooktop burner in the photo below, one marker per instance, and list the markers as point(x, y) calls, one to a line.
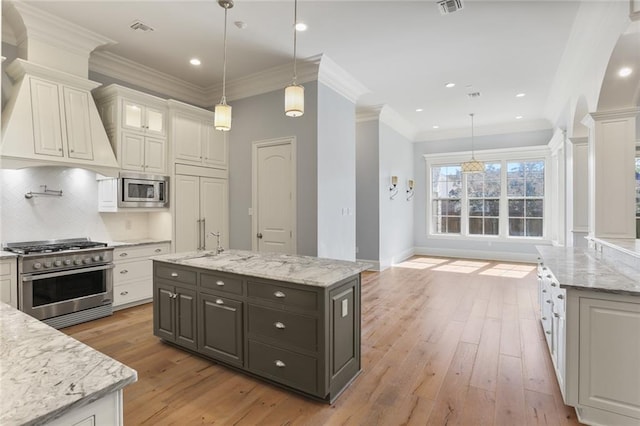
point(52, 246)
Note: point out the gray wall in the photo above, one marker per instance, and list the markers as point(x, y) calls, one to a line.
point(262, 117)
point(336, 175)
point(367, 191)
point(449, 247)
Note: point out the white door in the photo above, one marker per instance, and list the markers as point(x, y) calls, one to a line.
point(188, 231)
point(132, 157)
point(274, 196)
point(187, 137)
point(154, 155)
point(213, 211)
point(47, 125)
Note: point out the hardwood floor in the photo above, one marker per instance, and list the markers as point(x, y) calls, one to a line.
point(454, 343)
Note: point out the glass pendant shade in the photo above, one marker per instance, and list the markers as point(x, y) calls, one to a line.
point(473, 166)
point(294, 100)
point(222, 117)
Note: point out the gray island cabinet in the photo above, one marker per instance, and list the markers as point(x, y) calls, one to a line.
point(291, 320)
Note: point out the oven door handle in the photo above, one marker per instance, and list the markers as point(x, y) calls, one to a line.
point(67, 272)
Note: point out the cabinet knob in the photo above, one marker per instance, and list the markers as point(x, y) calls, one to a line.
point(549, 301)
point(544, 290)
point(124, 254)
point(158, 250)
point(219, 302)
point(279, 294)
point(544, 318)
point(554, 284)
point(548, 275)
point(124, 271)
point(220, 283)
point(174, 295)
point(548, 332)
point(71, 150)
point(124, 293)
point(174, 274)
point(280, 364)
point(60, 149)
point(560, 296)
point(556, 315)
point(279, 325)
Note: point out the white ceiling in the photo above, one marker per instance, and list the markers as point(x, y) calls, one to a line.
point(402, 51)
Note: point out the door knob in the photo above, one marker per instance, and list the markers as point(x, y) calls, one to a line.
point(259, 235)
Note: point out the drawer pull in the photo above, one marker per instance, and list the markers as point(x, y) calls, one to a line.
point(220, 283)
point(124, 254)
point(158, 250)
point(544, 290)
point(279, 325)
point(219, 302)
point(556, 315)
point(549, 301)
point(560, 296)
point(548, 332)
point(553, 284)
point(279, 294)
point(544, 318)
point(174, 274)
point(280, 364)
point(124, 271)
point(124, 293)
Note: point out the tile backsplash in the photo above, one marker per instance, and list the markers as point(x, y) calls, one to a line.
point(74, 214)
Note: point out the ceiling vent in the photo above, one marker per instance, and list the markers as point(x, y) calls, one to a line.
point(449, 6)
point(138, 25)
point(473, 95)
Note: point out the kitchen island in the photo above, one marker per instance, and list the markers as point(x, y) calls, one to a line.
point(590, 314)
point(49, 377)
point(291, 320)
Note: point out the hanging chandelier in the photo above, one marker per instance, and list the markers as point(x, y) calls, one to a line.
point(473, 166)
point(222, 118)
point(294, 93)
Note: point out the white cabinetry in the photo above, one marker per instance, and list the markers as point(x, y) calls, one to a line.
point(201, 207)
point(133, 273)
point(136, 124)
point(9, 281)
point(194, 139)
point(106, 411)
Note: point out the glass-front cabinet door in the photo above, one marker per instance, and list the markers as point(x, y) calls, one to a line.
point(142, 118)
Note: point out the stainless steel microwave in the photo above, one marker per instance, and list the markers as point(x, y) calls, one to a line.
point(142, 190)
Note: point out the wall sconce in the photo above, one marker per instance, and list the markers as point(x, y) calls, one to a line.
point(410, 186)
point(393, 189)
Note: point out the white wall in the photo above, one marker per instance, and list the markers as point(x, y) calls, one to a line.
point(336, 175)
point(262, 117)
point(367, 191)
point(73, 215)
point(396, 215)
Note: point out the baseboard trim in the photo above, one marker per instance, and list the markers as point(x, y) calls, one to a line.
point(477, 254)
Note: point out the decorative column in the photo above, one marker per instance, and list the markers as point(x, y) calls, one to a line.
point(577, 191)
point(612, 139)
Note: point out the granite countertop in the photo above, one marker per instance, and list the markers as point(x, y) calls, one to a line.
point(44, 373)
point(307, 270)
point(139, 242)
point(581, 269)
point(7, 255)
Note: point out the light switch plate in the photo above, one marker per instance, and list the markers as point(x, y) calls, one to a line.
point(345, 308)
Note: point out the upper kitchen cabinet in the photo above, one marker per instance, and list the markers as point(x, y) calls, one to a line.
point(137, 127)
point(194, 139)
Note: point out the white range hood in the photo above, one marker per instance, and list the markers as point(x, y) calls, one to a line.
point(51, 117)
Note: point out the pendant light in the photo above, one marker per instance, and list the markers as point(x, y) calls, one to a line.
point(294, 93)
point(222, 118)
point(473, 166)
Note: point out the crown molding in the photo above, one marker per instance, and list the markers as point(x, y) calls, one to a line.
point(132, 72)
point(557, 140)
point(335, 77)
point(579, 140)
point(391, 118)
point(612, 114)
point(368, 113)
point(57, 32)
point(527, 126)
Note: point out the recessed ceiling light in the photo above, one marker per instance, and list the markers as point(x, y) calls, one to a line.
point(521, 95)
point(518, 117)
point(419, 110)
point(625, 72)
point(301, 26)
point(436, 127)
point(195, 61)
point(450, 85)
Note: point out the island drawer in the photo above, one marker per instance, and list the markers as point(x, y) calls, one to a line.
point(174, 273)
point(286, 296)
point(225, 283)
point(286, 367)
point(284, 327)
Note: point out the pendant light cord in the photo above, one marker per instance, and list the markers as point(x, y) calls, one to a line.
point(295, 40)
point(224, 61)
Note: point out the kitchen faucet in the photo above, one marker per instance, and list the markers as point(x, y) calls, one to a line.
point(219, 248)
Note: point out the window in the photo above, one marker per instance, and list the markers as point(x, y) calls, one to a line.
point(525, 192)
point(506, 201)
point(483, 194)
point(446, 203)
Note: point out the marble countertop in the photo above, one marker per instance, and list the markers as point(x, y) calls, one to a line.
point(140, 242)
point(581, 269)
point(7, 255)
point(625, 245)
point(274, 266)
point(44, 373)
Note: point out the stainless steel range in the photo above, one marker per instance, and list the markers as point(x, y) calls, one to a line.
point(64, 282)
